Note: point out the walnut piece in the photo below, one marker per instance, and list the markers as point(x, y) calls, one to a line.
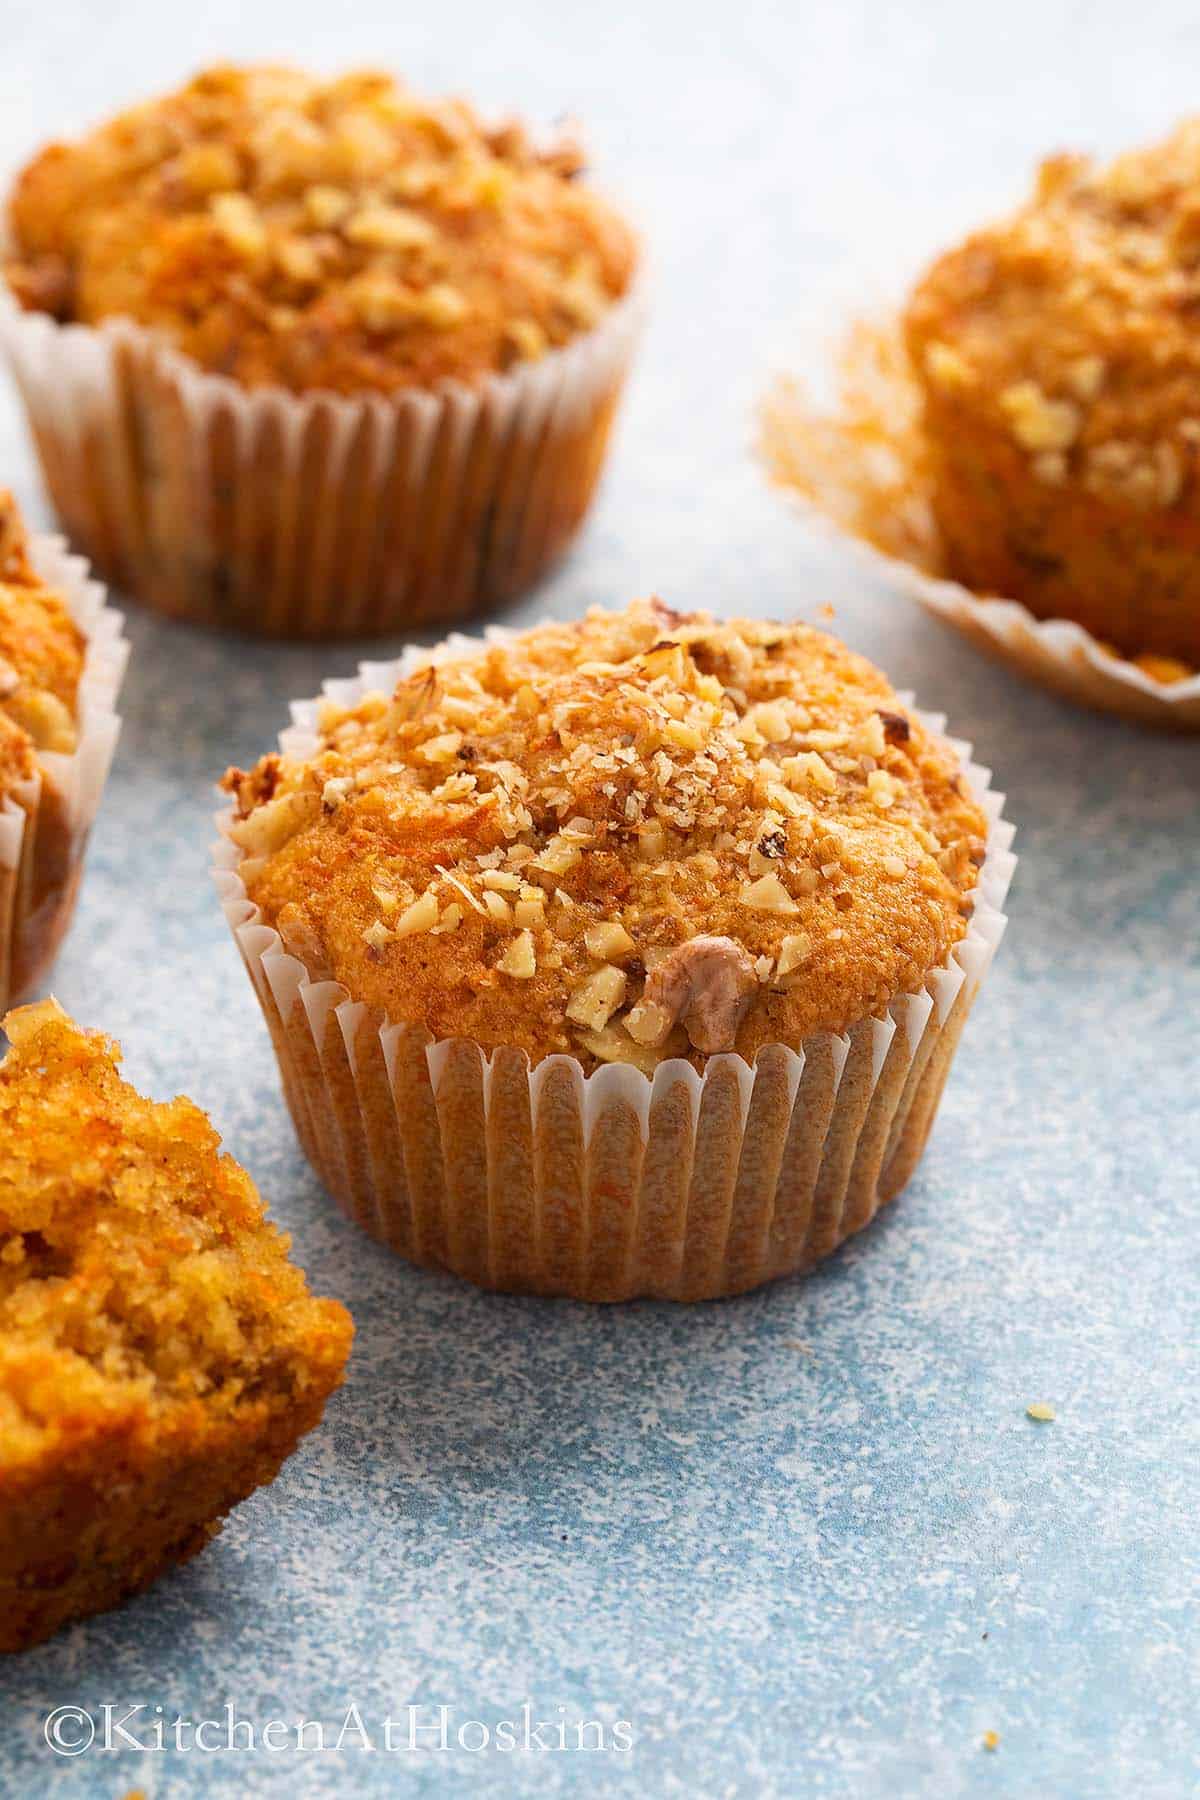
point(705, 985)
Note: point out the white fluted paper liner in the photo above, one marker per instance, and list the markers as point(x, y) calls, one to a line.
point(610, 1185)
point(45, 822)
point(315, 515)
point(1057, 653)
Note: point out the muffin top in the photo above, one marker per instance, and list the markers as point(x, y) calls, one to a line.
point(341, 235)
point(41, 659)
point(1072, 323)
point(137, 1270)
point(642, 835)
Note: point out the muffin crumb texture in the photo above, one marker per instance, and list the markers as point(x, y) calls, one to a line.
point(647, 834)
point(41, 660)
point(159, 1354)
point(343, 234)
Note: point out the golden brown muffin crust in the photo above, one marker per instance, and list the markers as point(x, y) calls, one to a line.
point(159, 1354)
point(536, 843)
point(1072, 322)
point(41, 658)
point(339, 234)
point(1060, 364)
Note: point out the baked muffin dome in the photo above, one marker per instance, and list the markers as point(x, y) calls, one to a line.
point(647, 834)
point(61, 662)
point(160, 1356)
point(342, 234)
point(1059, 361)
point(41, 659)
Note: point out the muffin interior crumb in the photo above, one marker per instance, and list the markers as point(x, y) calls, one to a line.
point(139, 1278)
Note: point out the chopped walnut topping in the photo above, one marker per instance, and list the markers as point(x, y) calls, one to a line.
point(237, 220)
point(768, 894)
point(597, 998)
point(422, 915)
point(882, 788)
point(48, 722)
point(795, 950)
point(706, 985)
point(269, 827)
point(534, 865)
point(896, 728)
point(1051, 467)
point(608, 942)
point(946, 367)
point(208, 168)
point(340, 235)
point(558, 857)
point(811, 768)
point(1086, 376)
point(389, 228)
point(1039, 423)
point(527, 338)
point(41, 660)
point(771, 846)
point(335, 791)
point(325, 207)
point(520, 959)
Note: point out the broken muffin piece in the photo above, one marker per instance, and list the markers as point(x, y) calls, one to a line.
point(160, 1356)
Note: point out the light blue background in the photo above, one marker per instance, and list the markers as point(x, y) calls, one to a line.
point(806, 1542)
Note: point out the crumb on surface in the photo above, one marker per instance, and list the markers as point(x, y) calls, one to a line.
point(991, 1740)
point(1039, 1410)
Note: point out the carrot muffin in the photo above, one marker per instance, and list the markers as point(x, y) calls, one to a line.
point(51, 755)
point(160, 1357)
point(1059, 367)
point(643, 840)
point(372, 345)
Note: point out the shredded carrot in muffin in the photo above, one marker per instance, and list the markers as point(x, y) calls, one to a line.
point(159, 1353)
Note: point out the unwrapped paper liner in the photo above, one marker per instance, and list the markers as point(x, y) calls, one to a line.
point(609, 1185)
point(315, 515)
point(1056, 653)
point(797, 430)
point(45, 821)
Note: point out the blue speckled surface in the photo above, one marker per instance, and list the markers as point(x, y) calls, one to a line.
point(806, 1542)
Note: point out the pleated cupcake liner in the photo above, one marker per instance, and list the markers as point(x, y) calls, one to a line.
point(317, 515)
point(45, 822)
point(1058, 654)
point(609, 1185)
